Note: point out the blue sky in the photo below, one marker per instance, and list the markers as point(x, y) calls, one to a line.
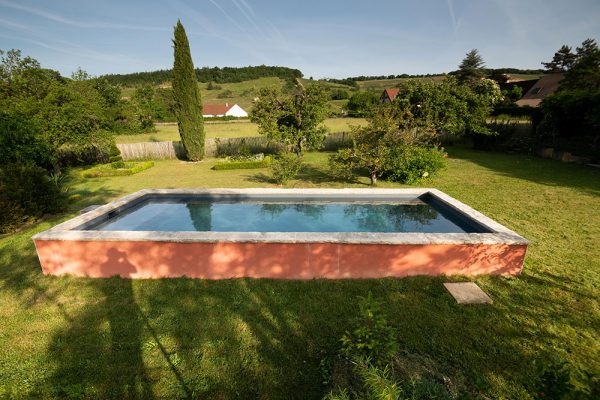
point(326, 38)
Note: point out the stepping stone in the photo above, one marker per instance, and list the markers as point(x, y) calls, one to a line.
point(467, 293)
point(88, 209)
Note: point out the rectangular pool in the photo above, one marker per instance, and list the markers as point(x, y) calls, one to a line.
point(281, 233)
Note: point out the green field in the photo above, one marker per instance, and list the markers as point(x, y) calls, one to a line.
point(228, 129)
point(381, 84)
point(242, 93)
point(63, 337)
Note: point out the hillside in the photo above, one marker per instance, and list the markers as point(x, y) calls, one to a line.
point(243, 93)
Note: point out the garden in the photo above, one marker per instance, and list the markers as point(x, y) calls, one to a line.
point(66, 337)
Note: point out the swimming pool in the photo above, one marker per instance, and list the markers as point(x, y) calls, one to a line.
point(281, 233)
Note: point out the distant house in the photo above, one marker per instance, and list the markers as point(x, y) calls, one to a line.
point(223, 110)
point(389, 95)
point(545, 86)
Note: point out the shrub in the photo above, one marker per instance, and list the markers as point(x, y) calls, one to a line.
point(340, 94)
point(411, 164)
point(511, 135)
point(372, 337)
point(225, 94)
point(231, 148)
point(114, 153)
point(361, 103)
point(118, 168)
point(243, 164)
point(27, 192)
point(96, 148)
point(285, 167)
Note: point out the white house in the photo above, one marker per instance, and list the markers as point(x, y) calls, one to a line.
point(223, 110)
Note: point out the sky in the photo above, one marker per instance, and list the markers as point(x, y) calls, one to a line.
point(323, 38)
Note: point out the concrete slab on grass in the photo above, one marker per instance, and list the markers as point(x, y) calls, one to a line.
point(467, 293)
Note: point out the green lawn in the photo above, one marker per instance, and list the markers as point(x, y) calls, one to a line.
point(244, 338)
point(228, 129)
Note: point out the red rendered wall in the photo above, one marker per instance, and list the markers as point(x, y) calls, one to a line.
point(274, 260)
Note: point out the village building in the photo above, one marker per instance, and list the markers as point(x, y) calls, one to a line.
point(223, 110)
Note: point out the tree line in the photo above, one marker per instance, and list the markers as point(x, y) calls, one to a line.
point(206, 74)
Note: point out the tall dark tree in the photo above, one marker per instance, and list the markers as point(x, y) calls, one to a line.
point(585, 72)
point(188, 104)
point(471, 67)
point(562, 61)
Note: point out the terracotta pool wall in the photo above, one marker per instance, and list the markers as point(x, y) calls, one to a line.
point(274, 260)
point(69, 248)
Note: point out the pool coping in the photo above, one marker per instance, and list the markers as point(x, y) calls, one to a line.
point(499, 233)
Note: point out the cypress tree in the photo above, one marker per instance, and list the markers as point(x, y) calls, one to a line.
point(188, 104)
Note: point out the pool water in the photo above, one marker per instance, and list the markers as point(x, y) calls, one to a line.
point(223, 216)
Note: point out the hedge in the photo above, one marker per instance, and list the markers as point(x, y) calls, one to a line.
point(119, 168)
point(247, 164)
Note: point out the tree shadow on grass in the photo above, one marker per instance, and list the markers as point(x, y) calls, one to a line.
point(247, 338)
point(308, 174)
point(260, 177)
point(534, 169)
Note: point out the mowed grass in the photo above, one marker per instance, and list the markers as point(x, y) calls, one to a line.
point(228, 129)
point(62, 337)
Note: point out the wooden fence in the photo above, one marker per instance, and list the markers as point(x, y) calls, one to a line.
point(214, 147)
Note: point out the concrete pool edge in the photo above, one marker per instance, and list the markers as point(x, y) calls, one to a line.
point(295, 255)
point(499, 233)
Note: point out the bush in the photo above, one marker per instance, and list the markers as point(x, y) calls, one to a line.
point(231, 148)
point(118, 168)
point(340, 94)
point(361, 103)
point(98, 147)
point(27, 192)
point(245, 147)
point(571, 122)
point(511, 135)
point(225, 94)
point(411, 164)
point(285, 167)
point(243, 164)
point(114, 153)
point(372, 338)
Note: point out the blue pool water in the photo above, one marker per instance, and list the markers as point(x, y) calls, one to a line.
point(284, 217)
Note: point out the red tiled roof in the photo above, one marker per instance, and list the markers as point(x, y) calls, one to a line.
point(216, 109)
point(391, 93)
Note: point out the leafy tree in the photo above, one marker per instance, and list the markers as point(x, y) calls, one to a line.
point(21, 141)
point(471, 67)
point(510, 96)
point(188, 104)
point(80, 75)
point(12, 64)
point(339, 94)
point(448, 106)
point(361, 103)
point(146, 106)
point(294, 120)
point(570, 117)
point(562, 61)
point(585, 71)
point(206, 74)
